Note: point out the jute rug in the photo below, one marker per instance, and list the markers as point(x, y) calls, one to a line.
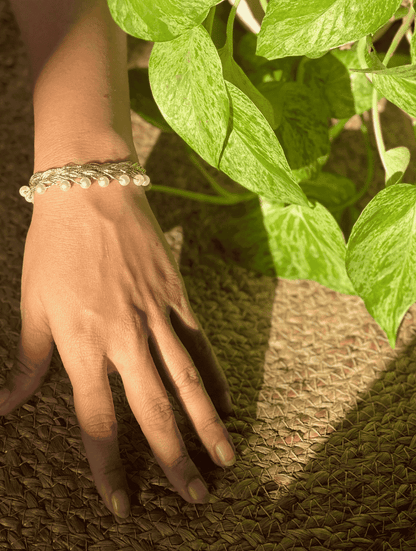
point(324, 418)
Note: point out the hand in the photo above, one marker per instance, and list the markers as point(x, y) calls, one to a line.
point(99, 279)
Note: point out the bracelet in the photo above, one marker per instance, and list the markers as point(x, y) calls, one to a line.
point(41, 181)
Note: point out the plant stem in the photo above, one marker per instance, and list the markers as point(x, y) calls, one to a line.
point(381, 32)
point(377, 129)
point(335, 130)
point(264, 4)
point(210, 20)
point(215, 185)
point(201, 197)
point(407, 21)
point(228, 198)
point(234, 198)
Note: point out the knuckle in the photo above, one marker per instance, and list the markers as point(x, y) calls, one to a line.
point(101, 427)
point(211, 423)
point(156, 316)
point(157, 413)
point(188, 379)
point(134, 321)
point(180, 462)
point(155, 312)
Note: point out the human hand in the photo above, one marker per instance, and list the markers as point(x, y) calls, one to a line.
point(99, 279)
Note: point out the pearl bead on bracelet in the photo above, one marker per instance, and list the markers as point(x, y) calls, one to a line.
point(85, 182)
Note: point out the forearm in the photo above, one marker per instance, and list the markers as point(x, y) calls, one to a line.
point(78, 66)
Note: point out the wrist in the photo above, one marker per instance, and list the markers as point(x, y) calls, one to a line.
point(82, 147)
point(99, 149)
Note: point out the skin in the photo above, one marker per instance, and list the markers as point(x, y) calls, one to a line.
point(78, 74)
point(99, 279)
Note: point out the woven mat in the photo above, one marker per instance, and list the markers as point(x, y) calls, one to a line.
point(324, 421)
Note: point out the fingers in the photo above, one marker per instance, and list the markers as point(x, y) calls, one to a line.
point(32, 362)
point(203, 357)
point(150, 404)
point(189, 387)
point(93, 402)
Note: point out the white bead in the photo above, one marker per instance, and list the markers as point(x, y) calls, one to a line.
point(24, 190)
point(146, 180)
point(40, 188)
point(124, 180)
point(103, 181)
point(85, 182)
point(65, 185)
point(29, 199)
point(138, 180)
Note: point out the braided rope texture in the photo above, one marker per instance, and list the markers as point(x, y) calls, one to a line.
point(324, 417)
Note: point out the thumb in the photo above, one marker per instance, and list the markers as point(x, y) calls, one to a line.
point(32, 362)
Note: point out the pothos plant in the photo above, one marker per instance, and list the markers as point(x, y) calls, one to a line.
point(268, 130)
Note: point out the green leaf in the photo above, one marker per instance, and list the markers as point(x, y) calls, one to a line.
point(246, 50)
point(274, 92)
point(401, 12)
point(397, 160)
point(397, 84)
point(219, 27)
point(398, 59)
point(142, 101)
point(331, 190)
point(158, 20)
point(253, 156)
point(259, 69)
point(243, 239)
point(381, 256)
point(188, 87)
point(307, 244)
point(316, 55)
point(361, 87)
point(354, 215)
point(303, 131)
point(330, 78)
point(310, 28)
point(233, 73)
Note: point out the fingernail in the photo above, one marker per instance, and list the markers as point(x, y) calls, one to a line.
point(4, 395)
point(120, 502)
point(225, 453)
point(197, 489)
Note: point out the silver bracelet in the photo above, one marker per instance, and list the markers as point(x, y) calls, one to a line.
point(41, 181)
